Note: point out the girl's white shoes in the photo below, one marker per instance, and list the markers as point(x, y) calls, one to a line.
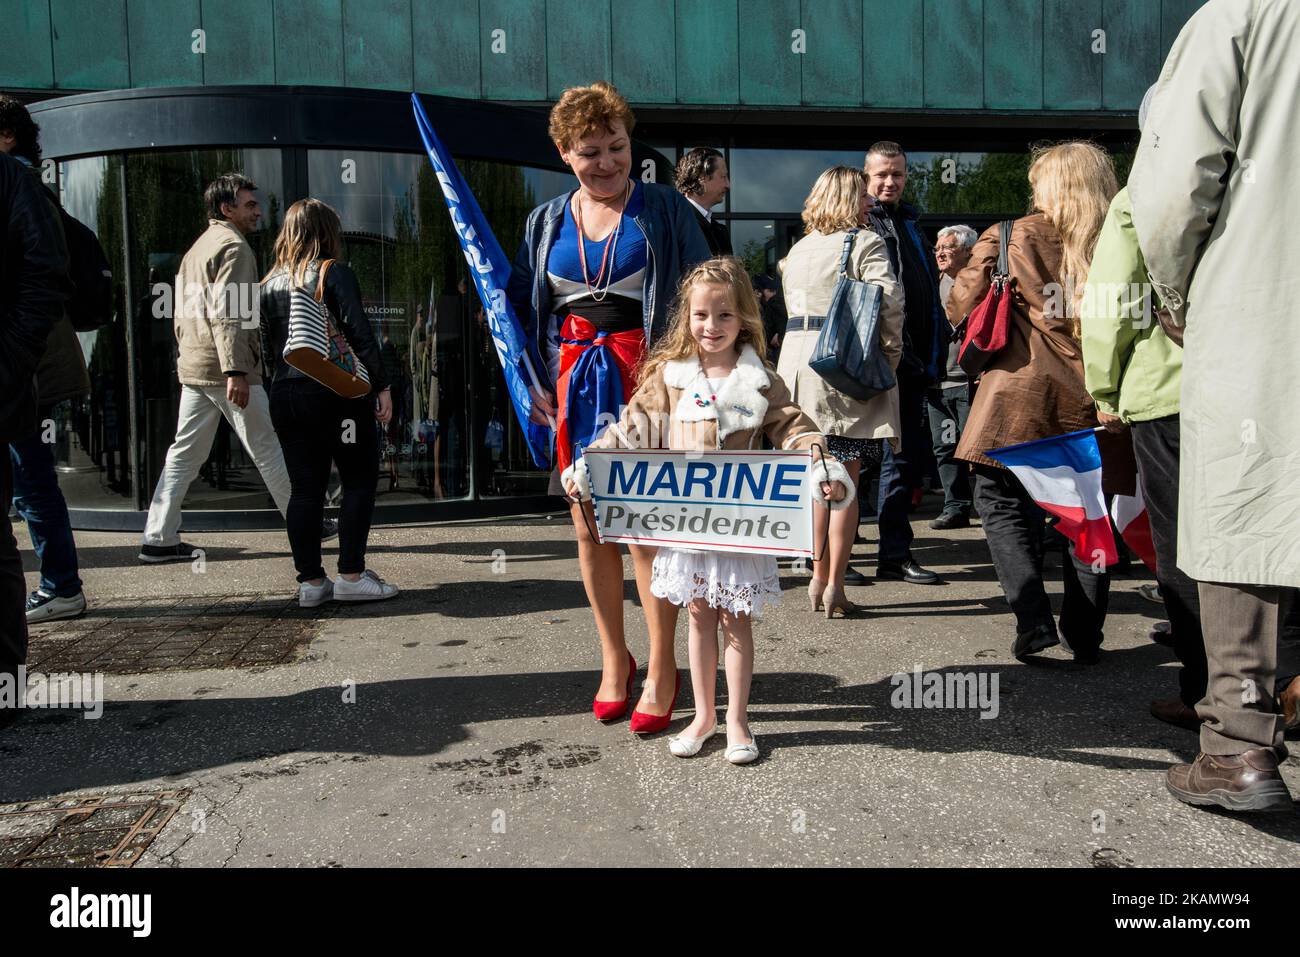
point(684, 746)
point(743, 753)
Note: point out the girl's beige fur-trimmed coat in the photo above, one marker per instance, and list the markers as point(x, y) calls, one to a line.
point(676, 409)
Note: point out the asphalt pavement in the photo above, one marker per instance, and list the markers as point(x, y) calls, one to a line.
point(452, 725)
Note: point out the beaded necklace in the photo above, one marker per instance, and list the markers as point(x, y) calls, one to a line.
point(704, 403)
point(611, 247)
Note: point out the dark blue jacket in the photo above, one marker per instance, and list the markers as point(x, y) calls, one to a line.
point(925, 328)
point(34, 288)
point(674, 244)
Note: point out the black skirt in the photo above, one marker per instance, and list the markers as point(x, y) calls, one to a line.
point(869, 451)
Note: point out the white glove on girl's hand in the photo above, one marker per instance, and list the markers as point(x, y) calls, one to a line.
point(575, 482)
point(829, 471)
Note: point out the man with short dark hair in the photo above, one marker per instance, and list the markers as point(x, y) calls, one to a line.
point(33, 290)
point(60, 376)
point(219, 365)
point(924, 322)
point(702, 177)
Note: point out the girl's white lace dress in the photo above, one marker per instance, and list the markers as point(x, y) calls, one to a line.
point(731, 581)
point(740, 584)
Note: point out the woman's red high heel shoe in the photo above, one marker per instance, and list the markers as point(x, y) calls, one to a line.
point(643, 723)
point(613, 710)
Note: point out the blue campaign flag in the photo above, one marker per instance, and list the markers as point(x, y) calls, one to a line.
point(490, 270)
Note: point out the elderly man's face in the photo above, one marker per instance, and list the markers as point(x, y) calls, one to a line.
point(950, 255)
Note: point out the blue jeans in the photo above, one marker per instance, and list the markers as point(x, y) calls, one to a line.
point(41, 504)
point(899, 474)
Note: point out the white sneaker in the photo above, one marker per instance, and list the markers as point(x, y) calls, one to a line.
point(369, 587)
point(312, 596)
point(42, 606)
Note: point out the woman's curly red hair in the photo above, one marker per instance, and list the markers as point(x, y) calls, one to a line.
point(583, 110)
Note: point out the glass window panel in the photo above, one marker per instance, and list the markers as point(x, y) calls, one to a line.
point(506, 194)
point(453, 428)
point(167, 214)
point(755, 242)
point(778, 181)
point(939, 182)
point(968, 183)
point(92, 450)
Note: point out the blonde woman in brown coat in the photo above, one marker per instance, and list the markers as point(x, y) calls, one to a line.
point(1034, 389)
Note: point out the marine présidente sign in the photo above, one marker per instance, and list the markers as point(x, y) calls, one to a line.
point(754, 501)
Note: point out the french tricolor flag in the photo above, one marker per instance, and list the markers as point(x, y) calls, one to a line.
point(1063, 475)
point(1130, 515)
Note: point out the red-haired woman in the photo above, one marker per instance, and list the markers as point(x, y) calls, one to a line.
point(595, 277)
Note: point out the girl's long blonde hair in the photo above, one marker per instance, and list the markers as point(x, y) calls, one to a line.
point(1073, 185)
point(311, 231)
point(678, 343)
point(835, 201)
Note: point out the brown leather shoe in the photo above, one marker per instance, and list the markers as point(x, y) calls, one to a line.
point(1238, 782)
point(1289, 700)
point(1173, 711)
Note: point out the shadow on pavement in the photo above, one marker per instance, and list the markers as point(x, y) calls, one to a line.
point(1063, 713)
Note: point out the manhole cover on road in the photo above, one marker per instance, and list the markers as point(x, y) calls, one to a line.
point(101, 830)
point(134, 635)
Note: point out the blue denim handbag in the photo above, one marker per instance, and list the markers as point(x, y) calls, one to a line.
point(848, 353)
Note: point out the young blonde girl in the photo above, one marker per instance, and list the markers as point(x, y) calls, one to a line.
point(707, 386)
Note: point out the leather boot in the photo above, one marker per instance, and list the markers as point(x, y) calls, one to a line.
point(1174, 711)
point(1239, 782)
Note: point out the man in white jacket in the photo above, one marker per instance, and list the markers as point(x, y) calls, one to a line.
point(1215, 207)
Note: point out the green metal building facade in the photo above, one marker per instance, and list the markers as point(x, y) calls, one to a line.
point(963, 55)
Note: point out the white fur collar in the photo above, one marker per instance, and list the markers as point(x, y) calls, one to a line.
point(739, 404)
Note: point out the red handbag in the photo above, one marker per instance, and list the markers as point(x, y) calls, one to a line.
point(989, 323)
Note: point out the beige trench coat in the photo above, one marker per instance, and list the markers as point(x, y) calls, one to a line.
point(212, 333)
point(808, 276)
point(1215, 206)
